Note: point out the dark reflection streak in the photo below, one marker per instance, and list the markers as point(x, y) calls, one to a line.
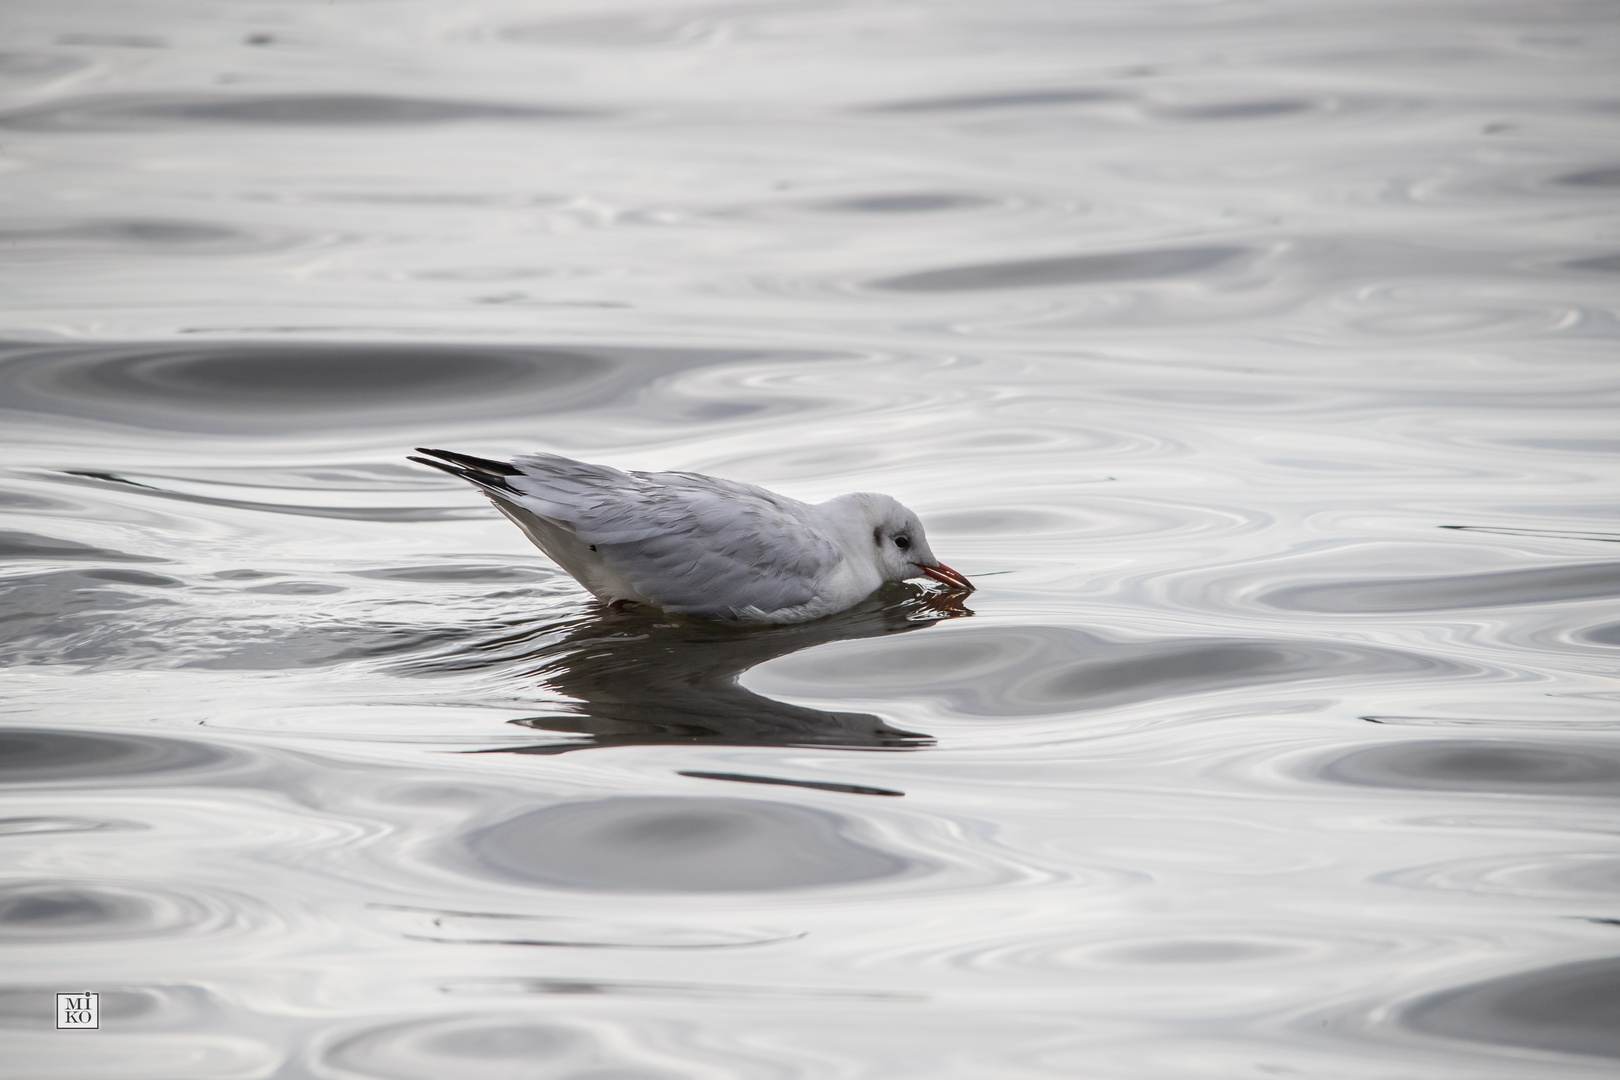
point(818, 785)
point(114, 41)
point(1557, 534)
point(455, 573)
point(36, 826)
point(347, 513)
point(1008, 100)
point(498, 917)
point(135, 111)
point(1564, 445)
point(144, 231)
point(1601, 264)
point(592, 986)
point(1103, 268)
point(1242, 110)
point(1600, 177)
point(914, 203)
point(1539, 723)
point(1416, 721)
point(640, 679)
point(541, 943)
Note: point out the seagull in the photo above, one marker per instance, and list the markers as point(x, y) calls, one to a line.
point(698, 545)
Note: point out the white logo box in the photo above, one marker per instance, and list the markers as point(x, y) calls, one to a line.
point(78, 1010)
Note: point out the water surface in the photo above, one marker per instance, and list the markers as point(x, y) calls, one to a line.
point(1256, 360)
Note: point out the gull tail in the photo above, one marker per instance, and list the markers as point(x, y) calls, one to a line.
point(526, 510)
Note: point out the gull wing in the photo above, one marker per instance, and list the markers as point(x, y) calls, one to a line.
point(686, 542)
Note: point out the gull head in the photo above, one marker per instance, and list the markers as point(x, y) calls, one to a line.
point(893, 538)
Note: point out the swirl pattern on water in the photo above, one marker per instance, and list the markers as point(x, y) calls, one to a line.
point(679, 845)
point(44, 912)
point(1569, 1009)
point(266, 389)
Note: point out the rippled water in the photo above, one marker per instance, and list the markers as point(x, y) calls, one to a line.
point(1255, 358)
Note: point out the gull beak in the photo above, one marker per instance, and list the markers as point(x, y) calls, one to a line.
point(942, 573)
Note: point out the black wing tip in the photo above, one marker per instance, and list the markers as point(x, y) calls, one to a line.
point(490, 476)
point(441, 466)
point(470, 462)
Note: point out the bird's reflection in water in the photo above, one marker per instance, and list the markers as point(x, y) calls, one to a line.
point(642, 678)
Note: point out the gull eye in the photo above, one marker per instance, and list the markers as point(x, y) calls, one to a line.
point(902, 542)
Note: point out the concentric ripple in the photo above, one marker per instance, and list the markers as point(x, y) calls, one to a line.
point(61, 912)
point(37, 755)
point(648, 844)
point(1568, 1009)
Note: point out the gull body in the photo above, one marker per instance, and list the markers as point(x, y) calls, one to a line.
point(698, 545)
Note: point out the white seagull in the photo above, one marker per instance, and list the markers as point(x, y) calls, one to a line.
point(699, 545)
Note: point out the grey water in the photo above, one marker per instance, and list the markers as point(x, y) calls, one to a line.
point(1256, 358)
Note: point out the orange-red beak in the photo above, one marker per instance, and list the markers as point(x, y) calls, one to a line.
point(942, 573)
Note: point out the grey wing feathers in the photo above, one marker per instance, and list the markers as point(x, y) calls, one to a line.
point(730, 550)
point(598, 503)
